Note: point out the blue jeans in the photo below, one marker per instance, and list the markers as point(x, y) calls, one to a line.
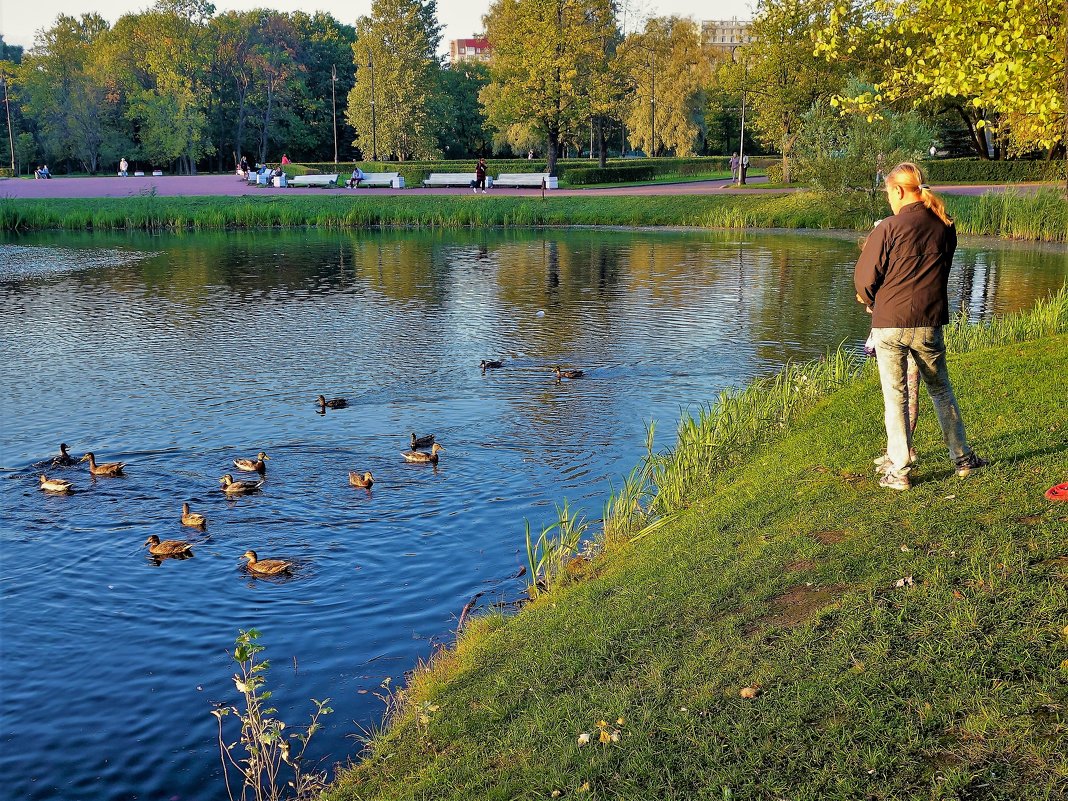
point(928, 347)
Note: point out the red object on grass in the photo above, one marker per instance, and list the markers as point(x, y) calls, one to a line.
point(1058, 492)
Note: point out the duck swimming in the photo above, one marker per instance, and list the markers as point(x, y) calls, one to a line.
point(567, 373)
point(192, 519)
point(64, 459)
point(266, 567)
point(57, 485)
point(105, 469)
point(231, 487)
point(253, 465)
point(167, 547)
point(363, 482)
point(422, 457)
point(333, 403)
point(490, 365)
point(422, 442)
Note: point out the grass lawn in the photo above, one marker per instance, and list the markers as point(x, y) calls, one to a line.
point(781, 573)
point(662, 179)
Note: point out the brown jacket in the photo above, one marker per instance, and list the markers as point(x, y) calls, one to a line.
point(903, 271)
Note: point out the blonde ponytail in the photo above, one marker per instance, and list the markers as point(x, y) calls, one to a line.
point(910, 178)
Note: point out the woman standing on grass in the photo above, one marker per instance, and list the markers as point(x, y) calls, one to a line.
point(902, 276)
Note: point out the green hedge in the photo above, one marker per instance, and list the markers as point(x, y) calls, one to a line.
point(610, 175)
point(774, 172)
point(7, 172)
point(969, 170)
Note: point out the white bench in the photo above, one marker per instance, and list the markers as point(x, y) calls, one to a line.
point(454, 179)
point(390, 179)
point(314, 180)
point(527, 179)
point(157, 173)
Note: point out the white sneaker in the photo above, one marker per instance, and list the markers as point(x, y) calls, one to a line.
point(899, 483)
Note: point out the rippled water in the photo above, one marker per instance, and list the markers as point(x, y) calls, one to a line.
point(177, 354)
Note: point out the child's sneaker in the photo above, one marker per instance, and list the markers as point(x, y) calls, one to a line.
point(890, 481)
point(969, 464)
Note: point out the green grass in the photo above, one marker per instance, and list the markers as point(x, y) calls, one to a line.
point(778, 569)
point(1041, 217)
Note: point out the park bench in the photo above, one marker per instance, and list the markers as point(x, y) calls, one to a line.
point(527, 179)
point(390, 179)
point(314, 180)
point(454, 179)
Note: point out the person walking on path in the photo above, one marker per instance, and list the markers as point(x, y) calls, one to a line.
point(124, 166)
point(480, 177)
point(902, 276)
point(734, 167)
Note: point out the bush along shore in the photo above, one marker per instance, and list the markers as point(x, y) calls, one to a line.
point(763, 622)
point(1042, 217)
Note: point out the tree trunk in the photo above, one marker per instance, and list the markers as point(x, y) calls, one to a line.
point(602, 156)
point(973, 132)
point(554, 147)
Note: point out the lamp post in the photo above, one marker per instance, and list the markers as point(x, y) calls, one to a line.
point(374, 121)
point(10, 136)
point(741, 135)
point(333, 103)
point(652, 104)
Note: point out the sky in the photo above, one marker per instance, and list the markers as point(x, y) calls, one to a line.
point(20, 19)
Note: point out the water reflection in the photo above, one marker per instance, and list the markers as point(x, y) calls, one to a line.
point(176, 354)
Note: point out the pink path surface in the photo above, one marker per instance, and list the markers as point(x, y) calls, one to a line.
point(229, 185)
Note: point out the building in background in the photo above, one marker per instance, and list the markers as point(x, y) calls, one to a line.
point(476, 49)
point(726, 33)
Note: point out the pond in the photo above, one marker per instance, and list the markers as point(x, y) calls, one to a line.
point(177, 354)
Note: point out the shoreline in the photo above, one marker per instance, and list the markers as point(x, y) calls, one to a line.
point(1042, 217)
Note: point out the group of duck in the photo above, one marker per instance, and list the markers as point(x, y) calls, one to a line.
point(424, 450)
point(231, 487)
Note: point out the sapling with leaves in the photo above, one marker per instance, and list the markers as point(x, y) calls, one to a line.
point(269, 748)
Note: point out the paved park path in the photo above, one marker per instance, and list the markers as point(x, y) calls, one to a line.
point(231, 186)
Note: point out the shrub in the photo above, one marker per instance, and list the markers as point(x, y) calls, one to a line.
point(950, 170)
point(7, 172)
point(774, 172)
point(610, 175)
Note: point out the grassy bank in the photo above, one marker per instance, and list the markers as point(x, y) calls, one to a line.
point(901, 645)
point(1042, 217)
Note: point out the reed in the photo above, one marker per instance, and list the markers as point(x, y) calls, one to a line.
point(547, 556)
point(1041, 217)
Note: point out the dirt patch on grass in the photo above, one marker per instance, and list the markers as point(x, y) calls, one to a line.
point(828, 537)
point(800, 565)
point(797, 605)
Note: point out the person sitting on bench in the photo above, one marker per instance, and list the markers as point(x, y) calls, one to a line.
point(357, 176)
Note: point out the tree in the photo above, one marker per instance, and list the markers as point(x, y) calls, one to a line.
point(463, 131)
point(65, 89)
point(396, 47)
point(326, 50)
point(162, 58)
point(669, 71)
point(1005, 61)
point(780, 73)
point(838, 153)
point(548, 55)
